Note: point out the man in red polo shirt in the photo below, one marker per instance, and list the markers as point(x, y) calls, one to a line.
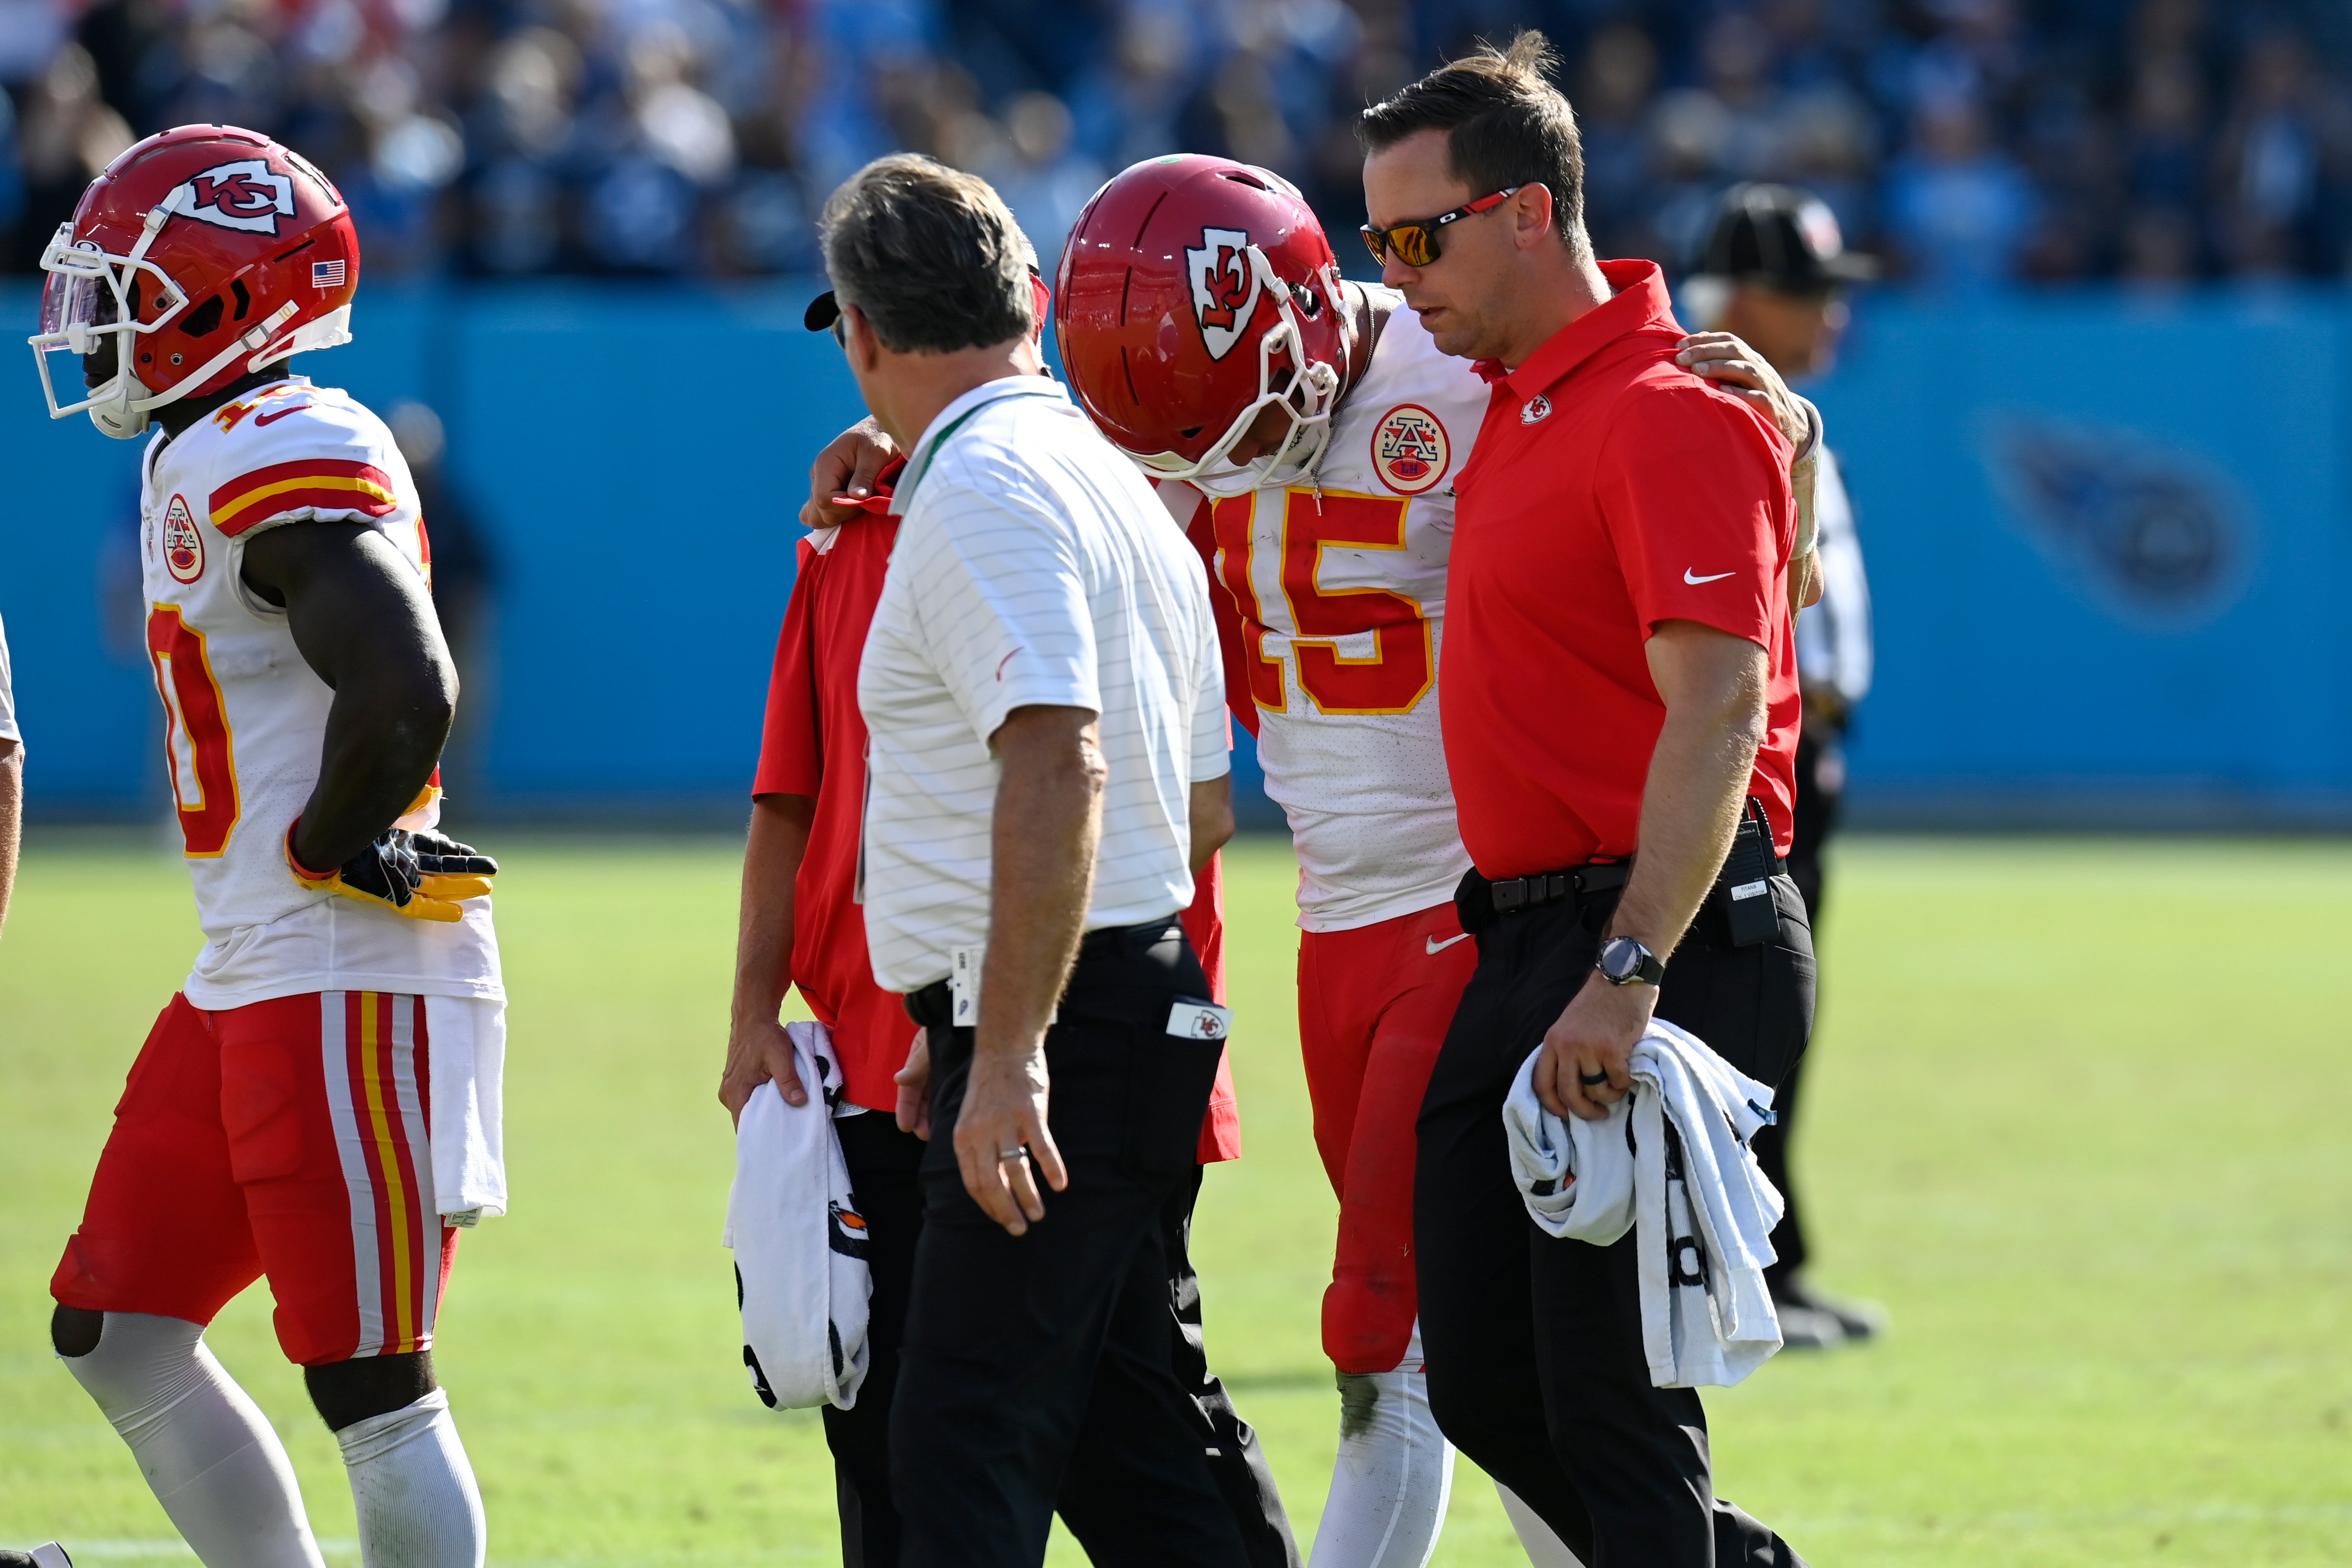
point(801, 926)
point(1619, 691)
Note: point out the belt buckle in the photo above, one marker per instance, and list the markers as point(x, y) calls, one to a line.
point(1511, 895)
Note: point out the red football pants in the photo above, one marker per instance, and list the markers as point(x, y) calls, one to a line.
point(1373, 1006)
point(290, 1139)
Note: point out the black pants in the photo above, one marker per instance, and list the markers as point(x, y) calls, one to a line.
point(1821, 782)
point(1036, 1373)
point(884, 1172)
point(1534, 1344)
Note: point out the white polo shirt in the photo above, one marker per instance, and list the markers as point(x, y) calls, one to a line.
point(7, 702)
point(1033, 567)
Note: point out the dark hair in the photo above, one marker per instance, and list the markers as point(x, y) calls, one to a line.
point(931, 255)
point(1506, 123)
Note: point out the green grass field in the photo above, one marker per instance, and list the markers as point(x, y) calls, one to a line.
point(2077, 1118)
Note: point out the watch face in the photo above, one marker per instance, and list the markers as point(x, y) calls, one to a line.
point(1621, 958)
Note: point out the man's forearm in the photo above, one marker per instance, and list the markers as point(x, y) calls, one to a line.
point(1047, 823)
point(1212, 820)
point(1690, 808)
point(12, 800)
point(1713, 688)
point(772, 852)
point(382, 742)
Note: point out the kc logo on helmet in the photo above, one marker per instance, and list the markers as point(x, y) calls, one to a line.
point(1224, 287)
point(247, 195)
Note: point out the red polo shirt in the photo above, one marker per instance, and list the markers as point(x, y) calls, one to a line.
point(813, 744)
point(1610, 490)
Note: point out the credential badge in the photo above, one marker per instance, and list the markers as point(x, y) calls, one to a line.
point(184, 542)
point(1410, 451)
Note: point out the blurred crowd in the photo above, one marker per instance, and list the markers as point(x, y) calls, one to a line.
point(1973, 142)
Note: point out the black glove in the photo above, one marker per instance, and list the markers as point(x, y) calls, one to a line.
point(421, 875)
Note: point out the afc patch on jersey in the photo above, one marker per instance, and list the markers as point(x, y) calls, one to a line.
point(1410, 451)
point(1224, 288)
point(184, 542)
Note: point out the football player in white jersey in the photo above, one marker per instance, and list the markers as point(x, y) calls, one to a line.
point(1306, 431)
point(321, 1103)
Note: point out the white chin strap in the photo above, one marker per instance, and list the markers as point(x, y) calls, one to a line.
point(1309, 401)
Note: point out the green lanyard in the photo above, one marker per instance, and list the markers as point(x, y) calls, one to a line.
point(905, 496)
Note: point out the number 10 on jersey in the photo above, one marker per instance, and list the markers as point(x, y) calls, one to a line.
point(197, 744)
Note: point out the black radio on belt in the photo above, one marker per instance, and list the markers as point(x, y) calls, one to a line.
point(1745, 889)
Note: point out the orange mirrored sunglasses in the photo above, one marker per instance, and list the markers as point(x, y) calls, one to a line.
point(1415, 240)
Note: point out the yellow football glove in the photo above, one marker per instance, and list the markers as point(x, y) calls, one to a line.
point(421, 875)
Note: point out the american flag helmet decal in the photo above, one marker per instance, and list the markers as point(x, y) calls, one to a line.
point(327, 274)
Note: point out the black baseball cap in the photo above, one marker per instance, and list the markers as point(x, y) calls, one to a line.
point(1780, 237)
point(825, 309)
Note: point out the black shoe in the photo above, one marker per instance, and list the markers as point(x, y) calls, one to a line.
point(1814, 1311)
point(49, 1556)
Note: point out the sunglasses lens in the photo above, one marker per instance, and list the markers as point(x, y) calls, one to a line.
point(1416, 246)
point(1377, 242)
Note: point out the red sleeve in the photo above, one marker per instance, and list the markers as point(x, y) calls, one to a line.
point(1231, 637)
point(792, 745)
point(1715, 553)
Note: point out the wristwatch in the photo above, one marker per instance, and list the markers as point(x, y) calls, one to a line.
point(1624, 962)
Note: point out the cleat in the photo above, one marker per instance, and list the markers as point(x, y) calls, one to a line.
point(1857, 1322)
point(50, 1556)
point(1809, 1328)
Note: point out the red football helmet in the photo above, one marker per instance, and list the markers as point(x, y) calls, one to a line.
point(1194, 292)
point(206, 252)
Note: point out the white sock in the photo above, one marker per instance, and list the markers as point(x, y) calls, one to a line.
point(206, 1450)
point(1544, 1549)
point(419, 1505)
point(1393, 1474)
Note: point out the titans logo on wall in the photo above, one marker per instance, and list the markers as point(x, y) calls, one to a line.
point(2149, 531)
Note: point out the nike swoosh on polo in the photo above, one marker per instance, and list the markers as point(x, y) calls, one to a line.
point(1435, 947)
point(1694, 582)
point(277, 414)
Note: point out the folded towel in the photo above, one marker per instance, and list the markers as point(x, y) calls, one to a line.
point(801, 1273)
point(1671, 1162)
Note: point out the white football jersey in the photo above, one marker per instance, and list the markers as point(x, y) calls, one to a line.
point(1342, 596)
point(245, 716)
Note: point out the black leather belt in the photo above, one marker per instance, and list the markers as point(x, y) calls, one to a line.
point(1556, 887)
point(933, 1007)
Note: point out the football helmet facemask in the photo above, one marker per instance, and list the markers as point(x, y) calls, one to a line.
point(200, 254)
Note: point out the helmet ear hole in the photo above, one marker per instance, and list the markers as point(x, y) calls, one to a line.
point(244, 300)
point(205, 318)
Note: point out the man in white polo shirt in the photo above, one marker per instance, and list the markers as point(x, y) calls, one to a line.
point(1047, 769)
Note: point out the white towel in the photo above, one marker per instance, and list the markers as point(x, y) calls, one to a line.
point(1704, 1219)
point(467, 1042)
point(799, 1244)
